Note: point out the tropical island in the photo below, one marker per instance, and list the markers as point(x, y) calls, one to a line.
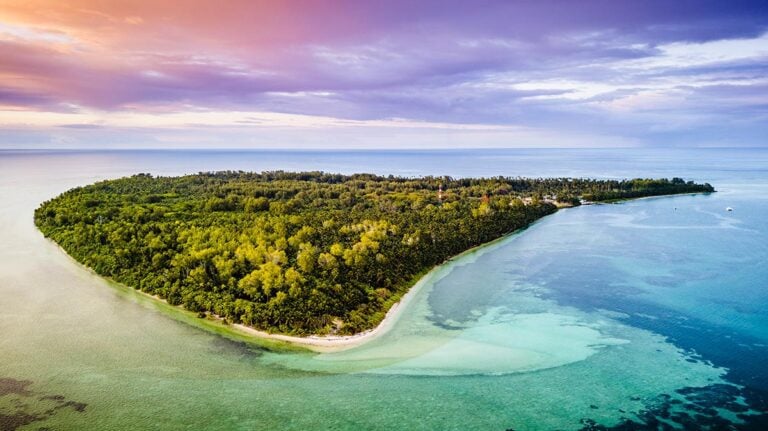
point(302, 253)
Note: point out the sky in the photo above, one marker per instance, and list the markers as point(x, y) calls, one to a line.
point(383, 74)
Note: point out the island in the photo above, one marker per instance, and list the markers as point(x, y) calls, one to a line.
point(307, 253)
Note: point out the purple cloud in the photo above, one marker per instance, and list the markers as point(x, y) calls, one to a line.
point(615, 66)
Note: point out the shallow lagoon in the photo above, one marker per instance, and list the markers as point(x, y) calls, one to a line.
point(647, 310)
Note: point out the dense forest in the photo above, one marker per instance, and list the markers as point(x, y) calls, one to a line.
point(300, 253)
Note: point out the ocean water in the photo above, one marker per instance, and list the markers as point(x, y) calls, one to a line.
point(641, 315)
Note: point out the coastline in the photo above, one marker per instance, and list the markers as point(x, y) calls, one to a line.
point(315, 343)
point(335, 343)
point(328, 343)
point(277, 341)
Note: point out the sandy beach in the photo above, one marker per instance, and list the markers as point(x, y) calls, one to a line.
point(335, 342)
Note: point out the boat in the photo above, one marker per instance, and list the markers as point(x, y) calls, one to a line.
point(729, 209)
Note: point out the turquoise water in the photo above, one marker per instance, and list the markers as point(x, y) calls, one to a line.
point(641, 314)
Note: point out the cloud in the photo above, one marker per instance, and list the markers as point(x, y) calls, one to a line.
point(603, 68)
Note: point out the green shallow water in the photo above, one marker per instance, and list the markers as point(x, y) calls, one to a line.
point(491, 340)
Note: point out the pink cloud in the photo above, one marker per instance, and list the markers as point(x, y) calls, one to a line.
point(451, 61)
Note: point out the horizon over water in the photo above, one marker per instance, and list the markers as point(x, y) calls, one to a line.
point(639, 315)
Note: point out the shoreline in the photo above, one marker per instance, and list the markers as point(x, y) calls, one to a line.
point(315, 343)
point(335, 343)
point(328, 343)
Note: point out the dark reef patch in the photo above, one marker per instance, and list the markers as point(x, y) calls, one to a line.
point(689, 409)
point(221, 345)
point(20, 406)
point(12, 386)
